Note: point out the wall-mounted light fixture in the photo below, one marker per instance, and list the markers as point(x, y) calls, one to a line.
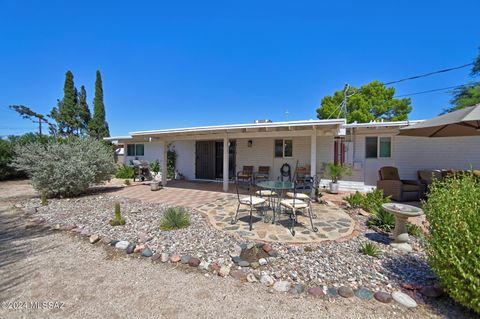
point(249, 143)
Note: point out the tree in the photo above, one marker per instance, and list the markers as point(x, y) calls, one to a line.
point(467, 95)
point(84, 111)
point(98, 126)
point(27, 113)
point(373, 101)
point(67, 114)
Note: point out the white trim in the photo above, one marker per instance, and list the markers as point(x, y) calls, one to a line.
point(241, 126)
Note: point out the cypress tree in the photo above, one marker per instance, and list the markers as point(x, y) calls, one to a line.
point(84, 111)
point(66, 113)
point(98, 127)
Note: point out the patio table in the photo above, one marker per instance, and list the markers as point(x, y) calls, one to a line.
point(280, 188)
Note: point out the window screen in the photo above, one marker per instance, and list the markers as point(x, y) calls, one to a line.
point(278, 148)
point(385, 147)
point(371, 147)
point(288, 151)
point(139, 149)
point(131, 150)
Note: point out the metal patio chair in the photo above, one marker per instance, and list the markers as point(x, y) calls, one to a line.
point(253, 202)
point(294, 204)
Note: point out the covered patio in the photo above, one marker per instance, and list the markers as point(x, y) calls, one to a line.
point(219, 152)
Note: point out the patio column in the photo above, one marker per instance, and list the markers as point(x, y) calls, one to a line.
point(225, 162)
point(313, 156)
point(164, 163)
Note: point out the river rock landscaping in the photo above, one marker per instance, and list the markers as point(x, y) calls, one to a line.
point(330, 269)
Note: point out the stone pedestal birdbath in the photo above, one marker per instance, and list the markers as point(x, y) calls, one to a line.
point(400, 234)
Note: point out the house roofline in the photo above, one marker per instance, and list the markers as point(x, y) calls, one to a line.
point(226, 128)
point(382, 124)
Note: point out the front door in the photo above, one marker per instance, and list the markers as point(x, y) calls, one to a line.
point(219, 159)
point(205, 160)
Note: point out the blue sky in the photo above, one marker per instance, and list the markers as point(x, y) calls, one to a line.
point(178, 63)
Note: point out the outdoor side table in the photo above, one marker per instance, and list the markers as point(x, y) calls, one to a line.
point(400, 234)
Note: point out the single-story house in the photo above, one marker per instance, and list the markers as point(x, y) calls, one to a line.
point(219, 152)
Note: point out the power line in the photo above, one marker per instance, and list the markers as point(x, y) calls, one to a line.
point(437, 90)
point(428, 74)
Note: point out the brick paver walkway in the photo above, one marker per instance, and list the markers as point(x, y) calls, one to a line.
point(185, 194)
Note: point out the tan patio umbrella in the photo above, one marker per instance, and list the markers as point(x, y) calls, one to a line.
point(464, 122)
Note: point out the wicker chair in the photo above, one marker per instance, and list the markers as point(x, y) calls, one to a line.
point(399, 190)
point(427, 177)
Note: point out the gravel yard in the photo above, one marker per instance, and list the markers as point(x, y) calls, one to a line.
point(100, 281)
point(325, 264)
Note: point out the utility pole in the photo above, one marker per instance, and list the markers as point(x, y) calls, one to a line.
point(27, 113)
point(40, 121)
point(345, 90)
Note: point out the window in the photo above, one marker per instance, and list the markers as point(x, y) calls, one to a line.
point(385, 145)
point(283, 148)
point(378, 147)
point(135, 149)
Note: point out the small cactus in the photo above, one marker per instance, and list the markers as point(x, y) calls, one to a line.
point(118, 220)
point(43, 199)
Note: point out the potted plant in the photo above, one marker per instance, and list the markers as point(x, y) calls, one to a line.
point(155, 167)
point(335, 172)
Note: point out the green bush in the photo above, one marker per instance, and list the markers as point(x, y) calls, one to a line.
point(175, 218)
point(171, 160)
point(414, 230)
point(372, 202)
point(155, 167)
point(355, 200)
point(118, 220)
point(7, 152)
point(370, 249)
point(65, 167)
point(383, 220)
point(125, 171)
point(453, 242)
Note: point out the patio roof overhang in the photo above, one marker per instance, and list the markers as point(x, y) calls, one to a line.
point(273, 129)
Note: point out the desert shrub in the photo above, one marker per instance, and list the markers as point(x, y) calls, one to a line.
point(175, 218)
point(7, 152)
point(370, 249)
point(372, 201)
point(414, 230)
point(383, 220)
point(118, 220)
point(355, 200)
point(453, 242)
point(65, 167)
point(125, 171)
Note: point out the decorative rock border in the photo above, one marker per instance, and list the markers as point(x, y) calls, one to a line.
point(250, 271)
point(280, 286)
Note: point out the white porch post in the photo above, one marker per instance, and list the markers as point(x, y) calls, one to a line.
point(313, 156)
point(225, 162)
point(164, 163)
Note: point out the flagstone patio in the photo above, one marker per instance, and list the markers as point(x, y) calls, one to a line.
point(332, 223)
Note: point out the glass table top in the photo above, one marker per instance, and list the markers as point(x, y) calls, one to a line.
point(275, 185)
